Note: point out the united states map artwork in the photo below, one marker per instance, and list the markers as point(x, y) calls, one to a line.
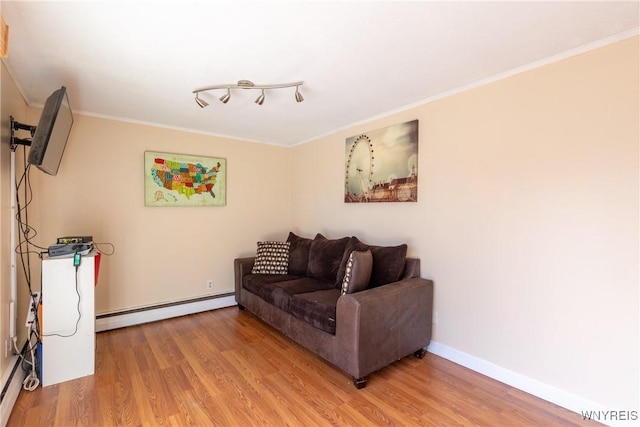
point(188, 179)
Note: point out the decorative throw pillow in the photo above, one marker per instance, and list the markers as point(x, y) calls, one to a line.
point(357, 272)
point(298, 254)
point(353, 245)
point(271, 258)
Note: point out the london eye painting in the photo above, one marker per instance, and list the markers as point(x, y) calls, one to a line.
point(382, 165)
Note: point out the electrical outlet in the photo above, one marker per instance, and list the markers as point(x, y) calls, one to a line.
point(435, 317)
point(210, 284)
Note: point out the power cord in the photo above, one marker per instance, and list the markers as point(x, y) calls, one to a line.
point(31, 382)
point(113, 248)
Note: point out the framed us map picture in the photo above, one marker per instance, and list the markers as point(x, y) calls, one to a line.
point(184, 180)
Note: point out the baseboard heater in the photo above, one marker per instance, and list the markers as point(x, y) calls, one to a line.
point(137, 316)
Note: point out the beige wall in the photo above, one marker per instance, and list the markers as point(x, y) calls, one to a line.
point(161, 254)
point(527, 219)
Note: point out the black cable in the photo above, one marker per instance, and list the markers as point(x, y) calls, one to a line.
point(23, 228)
point(25, 234)
point(29, 347)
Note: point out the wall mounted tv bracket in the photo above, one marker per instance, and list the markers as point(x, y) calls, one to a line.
point(16, 126)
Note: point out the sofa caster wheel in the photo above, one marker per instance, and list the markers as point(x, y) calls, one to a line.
point(240, 307)
point(419, 354)
point(360, 382)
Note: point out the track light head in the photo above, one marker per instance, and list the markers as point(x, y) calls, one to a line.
point(298, 95)
point(201, 102)
point(260, 99)
point(225, 98)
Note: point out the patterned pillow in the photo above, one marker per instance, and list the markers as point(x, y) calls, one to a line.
point(271, 258)
point(357, 272)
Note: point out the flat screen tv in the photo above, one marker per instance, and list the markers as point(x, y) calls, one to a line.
point(52, 132)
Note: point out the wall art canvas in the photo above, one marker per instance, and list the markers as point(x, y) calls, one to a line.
point(184, 180)
point(382, 165)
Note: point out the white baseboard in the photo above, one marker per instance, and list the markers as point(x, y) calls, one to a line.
point(534, 387)
point(13, 386)
point(105, 322)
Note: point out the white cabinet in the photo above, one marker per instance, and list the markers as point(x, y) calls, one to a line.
point(67, 320)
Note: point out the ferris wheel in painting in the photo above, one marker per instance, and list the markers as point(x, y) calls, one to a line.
point(358, 180)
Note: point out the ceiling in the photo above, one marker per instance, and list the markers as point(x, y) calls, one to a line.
point(140, 60)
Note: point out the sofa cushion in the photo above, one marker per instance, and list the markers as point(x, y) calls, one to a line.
point(271, 258)
point(388, 264)
point(358, 272)
point(251, 280)
point(279, 293)
point(317, 308)
point(263, 289)
point(325, 256)
point(353, 245)
point(298, 254)
point(388, 261)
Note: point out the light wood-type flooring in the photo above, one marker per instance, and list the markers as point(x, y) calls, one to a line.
point(226, 368)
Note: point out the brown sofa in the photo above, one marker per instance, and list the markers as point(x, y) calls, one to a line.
point(307, 300)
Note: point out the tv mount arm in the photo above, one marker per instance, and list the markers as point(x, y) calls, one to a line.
point(15, 126)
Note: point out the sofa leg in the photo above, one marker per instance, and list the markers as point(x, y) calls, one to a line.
point(360, 382)
point(240, 307)
point(419, 354)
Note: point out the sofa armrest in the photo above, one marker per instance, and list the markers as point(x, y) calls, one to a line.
point(378, 326)
point(241, 267)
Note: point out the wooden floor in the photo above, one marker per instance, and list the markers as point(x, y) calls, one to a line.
point(226, 368)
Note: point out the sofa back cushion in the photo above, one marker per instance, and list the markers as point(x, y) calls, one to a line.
point(388, 264)
point(325, 256)
point(388, 261)
point(298, 254)
point(358, 272)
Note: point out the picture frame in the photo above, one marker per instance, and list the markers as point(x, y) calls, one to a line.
point(184, 180)
point(382, 165)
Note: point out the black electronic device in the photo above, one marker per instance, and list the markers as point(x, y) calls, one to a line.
point(69, 249)
point(74, 239)
point(52, 132)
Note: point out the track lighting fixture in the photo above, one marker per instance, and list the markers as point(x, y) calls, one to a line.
point(225, 98)
point(247, 84)
point(201, 102)
point(299, 97)
point(260, 99)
